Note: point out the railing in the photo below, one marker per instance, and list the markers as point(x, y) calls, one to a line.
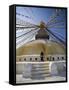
point(37, 58)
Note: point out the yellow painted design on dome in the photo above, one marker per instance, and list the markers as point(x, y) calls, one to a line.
point(36, 47)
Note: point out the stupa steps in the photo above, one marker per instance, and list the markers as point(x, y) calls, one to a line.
point(40, 71)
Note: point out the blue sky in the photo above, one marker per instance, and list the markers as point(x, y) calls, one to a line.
point(35, 15)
